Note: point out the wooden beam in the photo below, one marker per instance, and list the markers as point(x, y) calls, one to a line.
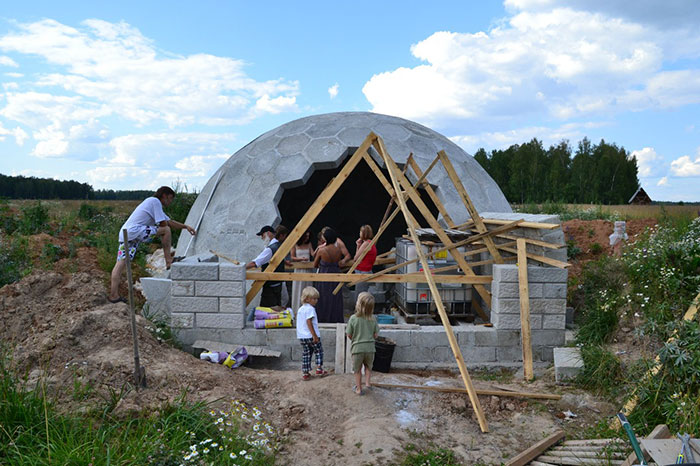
point(433, 223)
point(340, 340)
point(393, 172)
point(391, 201)
point(311, 214)
point(534, 451)
point(535, 242)
point(535, 257)
point(431, 192)
point(483, 392)
point(416, 277)
point(473, 213)
point(464, 242)
point(524, 311)
point(498, 221)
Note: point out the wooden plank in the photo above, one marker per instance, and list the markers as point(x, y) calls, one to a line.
point(431, 192)
point(632, 402)
point(538, 258)
point(524, 457)
point(540, 463)
point(665, 451)
point(571, 461)
point(228, 347)
point(473, 213)
point(532, 241)
point(340, 340)
point(497, 221)
point(393, 171)
point(311, 214)
point(415, 277)
point(660, 431)
point(599, 453)
point(524, 310)
point(595, 441)
point(464, 242)
point(479, 391)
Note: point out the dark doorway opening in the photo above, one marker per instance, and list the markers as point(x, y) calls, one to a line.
point(360, 200)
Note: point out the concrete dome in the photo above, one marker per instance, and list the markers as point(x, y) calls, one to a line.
point(255, 178)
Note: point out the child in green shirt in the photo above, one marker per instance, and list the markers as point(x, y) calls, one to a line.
point(362, 330)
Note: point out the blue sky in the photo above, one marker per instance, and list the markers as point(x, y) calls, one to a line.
point(133, 95)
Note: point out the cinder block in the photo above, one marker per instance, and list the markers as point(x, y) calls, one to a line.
point(546, 353)
point(505, 273)
point(547, 337)
point(182, 288)
point(466, 335)
point(512, 321)
point(548, 306)
point(504, 306)
point(508, 338)
point(555, 290)
point(547, 274)
point(220, 320)
point(158, 292)
point(567, 363)
point(194, 271)
point(400, 337)
point(485, 336)
point(281, 336)
point(512, 290)
point(443, 354)
point(479, 355)
point(509, 354)
point(182, 320)
point(232, 305)
point(554, 321)
point(219, 288)
point(429, 337)
point(231, 272)
point(194, 304)
point(412, 354)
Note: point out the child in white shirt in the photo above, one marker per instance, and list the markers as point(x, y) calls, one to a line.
point(308, 333)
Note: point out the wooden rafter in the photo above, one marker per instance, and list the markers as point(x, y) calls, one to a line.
point(393, 173)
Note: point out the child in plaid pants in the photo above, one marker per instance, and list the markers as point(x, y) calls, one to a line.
point(308, 333)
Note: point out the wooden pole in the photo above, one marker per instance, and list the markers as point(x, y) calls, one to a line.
point(313, 212)
point(524, 311)
point(431, 192)
point(534, 451)
point(418, 202)
point(415, 277)
point(483, 424)
point(473, 213)
point(139, 372)
point(503, 393)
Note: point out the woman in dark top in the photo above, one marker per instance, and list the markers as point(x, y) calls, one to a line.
point(329, 307)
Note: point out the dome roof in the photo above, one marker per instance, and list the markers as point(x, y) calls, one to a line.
point(253, 179)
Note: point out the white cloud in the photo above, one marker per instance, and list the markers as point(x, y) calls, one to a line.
point(19, 134)
point(201, 165)
point(105, 70)
point(685, 166)
point(333, 91)
point(7, 61)
point(648, 161)
point(663, 181)
point(543, 60)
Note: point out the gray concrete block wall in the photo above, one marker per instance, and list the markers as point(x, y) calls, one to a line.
point(208, 296)
point(547, 293)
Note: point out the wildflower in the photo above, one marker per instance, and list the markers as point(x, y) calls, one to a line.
point(248, 457)
point(242, 452)
point(233, 456)
point(206, 450)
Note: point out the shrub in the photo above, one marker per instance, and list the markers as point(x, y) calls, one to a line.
point(34, 219)
point(602, 371)
point(14, 259)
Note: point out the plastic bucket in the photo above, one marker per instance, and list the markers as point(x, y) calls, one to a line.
point(384, 352)
point(385, 319)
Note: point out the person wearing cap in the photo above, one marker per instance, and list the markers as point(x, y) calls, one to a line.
point(272, 290)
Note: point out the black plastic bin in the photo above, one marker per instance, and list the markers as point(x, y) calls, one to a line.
point(384, 352)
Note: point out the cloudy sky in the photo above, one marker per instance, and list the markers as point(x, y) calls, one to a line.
point(132, 95)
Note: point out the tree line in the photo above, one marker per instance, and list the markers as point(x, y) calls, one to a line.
point(30, 187)
point(600, 173)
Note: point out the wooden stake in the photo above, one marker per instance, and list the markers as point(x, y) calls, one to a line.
point(139, 372)
point(431, 193)
point(415, 277)
point(391, 166)
point(340, 340)
point(535, 257)
point(524, 311)
point(233, 261)
point(313, 212)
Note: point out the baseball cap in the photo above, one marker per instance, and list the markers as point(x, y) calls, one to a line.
point(265, 229)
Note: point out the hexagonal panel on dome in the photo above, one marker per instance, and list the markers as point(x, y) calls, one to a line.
point(279, 175)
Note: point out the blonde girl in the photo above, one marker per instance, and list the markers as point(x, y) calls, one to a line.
point(362, 330)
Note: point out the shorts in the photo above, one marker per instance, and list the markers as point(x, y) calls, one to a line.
point(143, 235)
point(358, 359)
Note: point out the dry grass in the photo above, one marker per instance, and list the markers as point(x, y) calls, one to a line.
point(59, 207)
point(646, 211)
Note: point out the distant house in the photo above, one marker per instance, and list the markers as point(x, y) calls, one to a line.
point(640, 197)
